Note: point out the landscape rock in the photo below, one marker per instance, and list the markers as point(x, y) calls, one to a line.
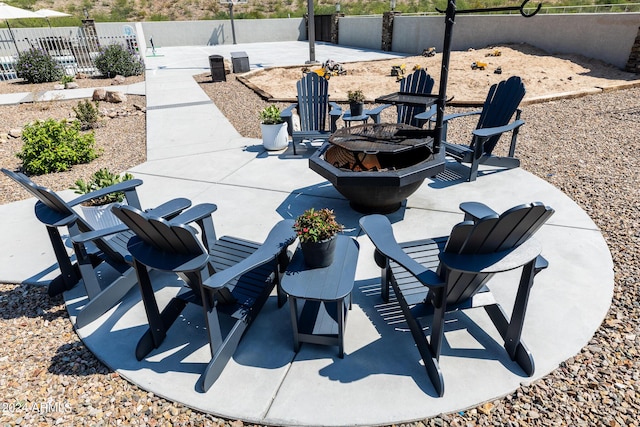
point(118, 80)
point(115, 96)
point(71, 85)
point(99, 94)
point(15, 133)
point(58, 87)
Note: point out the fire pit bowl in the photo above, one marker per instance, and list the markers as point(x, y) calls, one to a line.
point(377, 166)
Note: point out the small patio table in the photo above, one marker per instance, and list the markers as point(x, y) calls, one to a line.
point(325, 294)
point(348, 118)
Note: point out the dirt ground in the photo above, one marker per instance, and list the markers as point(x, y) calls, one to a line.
point(543, 74)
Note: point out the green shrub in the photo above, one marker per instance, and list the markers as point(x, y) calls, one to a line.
point(36, 66)
point(66, 79)
point(115, 59)
point(52, 146)
point(87, 114)
point(102, 178)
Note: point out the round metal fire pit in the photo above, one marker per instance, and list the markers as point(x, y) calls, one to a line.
point(377, 166)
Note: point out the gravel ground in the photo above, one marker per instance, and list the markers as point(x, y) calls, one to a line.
point(588, 147)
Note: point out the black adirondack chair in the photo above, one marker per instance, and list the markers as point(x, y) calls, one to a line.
point(91, 247)
point(227, 276)
point(418, 82)
point(435, 276)
point(499, 107)
point(312, 107)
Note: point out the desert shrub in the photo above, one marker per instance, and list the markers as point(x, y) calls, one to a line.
point(66, 79)
point(36, 66)
point(115, 59)
point(87, 114)
point(55, 146)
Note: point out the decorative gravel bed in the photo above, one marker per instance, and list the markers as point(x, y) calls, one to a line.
point(588, 147)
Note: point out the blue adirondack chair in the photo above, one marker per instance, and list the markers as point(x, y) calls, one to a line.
point(418, 82)
point(312, 108)
point(92, 248)
point(499, 107)
point(227, 276)
point(435, 276)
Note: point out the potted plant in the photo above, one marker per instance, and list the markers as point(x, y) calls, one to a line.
point(356, 102)
point(274, 129)
point(317, 230)
point(97, 211)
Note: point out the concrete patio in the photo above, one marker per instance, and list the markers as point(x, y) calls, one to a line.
point(194, 152)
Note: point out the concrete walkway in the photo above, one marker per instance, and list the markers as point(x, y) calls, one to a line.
point(194, 152)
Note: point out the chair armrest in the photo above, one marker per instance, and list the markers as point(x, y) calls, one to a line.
point(287, 112)
point(171, 208)
point(495, 262)
point(287, 116)
point(195, 213)
point(334, 114)
point(122, 186)
point(457, 115)
point(90, 236)
point(279, 238)
point(336, 110)
point(476, 210)
point(425, 116)
point(487, 132)
point(379, 230)
point(201, 214)
point(375, 112)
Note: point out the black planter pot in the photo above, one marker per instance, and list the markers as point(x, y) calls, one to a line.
point(357, 108)
point(318, 254)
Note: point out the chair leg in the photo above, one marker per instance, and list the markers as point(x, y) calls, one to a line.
point(385, 274)
point(511, 331)
point(429, 358)
point(222, 355)
point(159, 323)
point(106, 299)
point(69, 273)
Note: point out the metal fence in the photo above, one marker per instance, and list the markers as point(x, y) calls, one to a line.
point(75, 49)
point(592, 8)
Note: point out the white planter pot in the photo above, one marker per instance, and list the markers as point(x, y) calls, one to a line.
point(100, 217)
point(274, 137)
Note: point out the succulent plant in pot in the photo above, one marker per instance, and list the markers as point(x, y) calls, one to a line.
point(317, 230)
point(97, 211)
point(274, 129)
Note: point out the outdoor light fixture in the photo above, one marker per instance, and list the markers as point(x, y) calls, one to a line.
point(338, 7)
point(86, 13)
point(393, 5)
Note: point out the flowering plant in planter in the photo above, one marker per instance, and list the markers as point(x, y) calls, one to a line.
point(356, 102)
point(355, 95)
point(316, 225)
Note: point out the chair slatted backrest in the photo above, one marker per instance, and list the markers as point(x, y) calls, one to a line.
point(166, 245)
point(51, 209)
point(501, 103)
point(58, 207)
point(313, 102)
point(418, 82)
point(490, 234)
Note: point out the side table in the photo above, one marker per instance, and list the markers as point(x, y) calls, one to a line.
point(348, 118)
point(324, 294)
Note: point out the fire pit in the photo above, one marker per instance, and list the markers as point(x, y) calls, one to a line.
point(377, 166)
